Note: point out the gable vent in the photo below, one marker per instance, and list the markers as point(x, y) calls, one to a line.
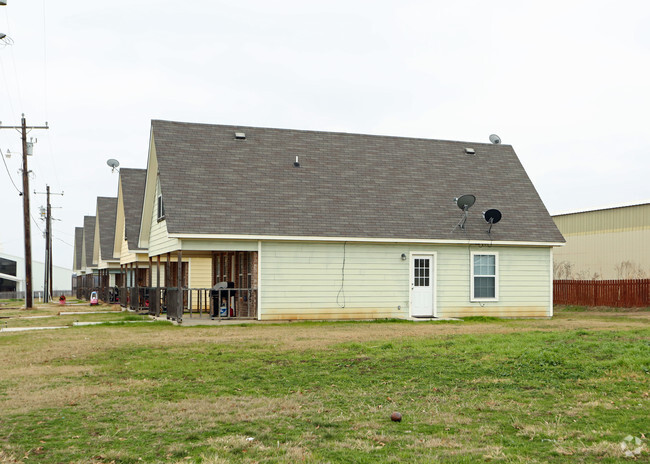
point(240, 135)
point(470, 151)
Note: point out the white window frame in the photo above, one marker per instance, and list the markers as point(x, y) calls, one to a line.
point(496, 275)
point(160, 206)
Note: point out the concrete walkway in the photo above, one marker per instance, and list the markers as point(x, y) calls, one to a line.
point(196, 321)
point(26, 329)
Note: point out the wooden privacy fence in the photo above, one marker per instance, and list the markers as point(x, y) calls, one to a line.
point(617, 293)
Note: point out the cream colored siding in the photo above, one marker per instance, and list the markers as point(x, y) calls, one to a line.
point(119, 222)
point(604, 244)
point(200, 271)
point(159, 242)
point(151, 187)
point(125, 255)
point(96, 240)
point(303, 280)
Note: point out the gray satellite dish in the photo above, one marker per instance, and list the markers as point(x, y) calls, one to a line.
point(492, 216)
point(464, 202)
point(113, 164)
point(495, 139)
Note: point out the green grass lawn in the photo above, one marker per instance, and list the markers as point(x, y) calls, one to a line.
point(563, 390)
point(13, 314)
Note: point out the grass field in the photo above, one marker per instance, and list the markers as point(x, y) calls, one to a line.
point(568, 389)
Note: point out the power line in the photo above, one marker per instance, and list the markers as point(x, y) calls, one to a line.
point(36, 223)
point(4, 77)
point(9, 173)
point(63, 241)
point(45, 100)
point(13, 59)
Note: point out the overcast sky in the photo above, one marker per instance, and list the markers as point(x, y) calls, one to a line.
point(566, 83)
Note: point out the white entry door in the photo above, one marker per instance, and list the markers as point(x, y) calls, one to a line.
point(422, 285)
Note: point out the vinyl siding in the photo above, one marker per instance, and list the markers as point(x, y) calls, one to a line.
point(119, 223)
point(126, 256)
point(159, 242)
point(151, 186)
point(200, 271)
point(96, 240)
point(303, 280)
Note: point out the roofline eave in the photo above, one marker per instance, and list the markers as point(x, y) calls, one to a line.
point(362, 239)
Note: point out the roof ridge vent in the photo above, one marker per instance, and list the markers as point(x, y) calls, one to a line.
point(470, 151)
point(240, 135)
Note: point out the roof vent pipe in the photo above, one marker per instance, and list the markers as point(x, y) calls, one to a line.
point(296, 164)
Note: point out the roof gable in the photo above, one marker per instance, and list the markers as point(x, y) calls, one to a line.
point(132, 182)
point(89, 241)
point(347, 185)
point(106, 215)
point(78, 248)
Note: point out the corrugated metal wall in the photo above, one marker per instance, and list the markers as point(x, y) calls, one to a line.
point(604, 244)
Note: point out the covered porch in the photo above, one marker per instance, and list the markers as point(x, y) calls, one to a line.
point(218, 285)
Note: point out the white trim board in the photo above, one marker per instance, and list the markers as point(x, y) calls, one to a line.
point(291, 238)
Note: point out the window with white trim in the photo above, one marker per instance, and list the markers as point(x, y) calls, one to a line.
point(485, 277)
point(161, 208)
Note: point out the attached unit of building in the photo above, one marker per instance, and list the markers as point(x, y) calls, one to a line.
point(321, 225)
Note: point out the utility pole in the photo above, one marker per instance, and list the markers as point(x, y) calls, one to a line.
point(29, 295)
point(47, 286)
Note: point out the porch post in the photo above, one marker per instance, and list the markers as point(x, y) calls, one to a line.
point(158, 286)
point(158, 272)
point(124, 297)
point(180, 280)
point(167, 269)
point(150, 272)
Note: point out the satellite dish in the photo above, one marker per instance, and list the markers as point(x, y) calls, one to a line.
point(113, 164)
point(491, 216)
point(495, 139)
point(465, 202)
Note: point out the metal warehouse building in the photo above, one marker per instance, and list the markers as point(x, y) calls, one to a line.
point(12, 275)
point(604, 244)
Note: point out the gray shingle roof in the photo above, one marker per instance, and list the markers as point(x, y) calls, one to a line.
point(106, 216)
point(133, 182)
point(348, 185)
point(78, 246)
point(89, 239)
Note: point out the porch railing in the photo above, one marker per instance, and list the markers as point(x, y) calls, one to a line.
point(231, 303)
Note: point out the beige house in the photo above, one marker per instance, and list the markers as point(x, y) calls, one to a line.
point(108, 265)
point(604, 244)
point(133, 260)
point(318, 225)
